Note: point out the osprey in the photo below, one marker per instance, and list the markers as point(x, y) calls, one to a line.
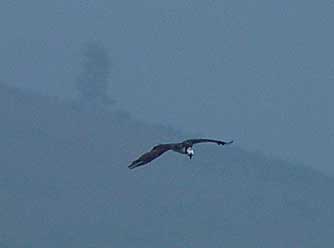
point(185, 147)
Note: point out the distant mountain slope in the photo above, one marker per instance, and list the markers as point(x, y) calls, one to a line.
point(64, 182)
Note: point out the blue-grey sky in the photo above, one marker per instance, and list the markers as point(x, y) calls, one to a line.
point(260, 72)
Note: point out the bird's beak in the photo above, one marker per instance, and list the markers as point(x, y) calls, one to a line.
point(190, 152)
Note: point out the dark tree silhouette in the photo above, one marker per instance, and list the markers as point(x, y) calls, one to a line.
point(93, 82)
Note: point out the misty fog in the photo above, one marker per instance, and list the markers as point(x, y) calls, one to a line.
point(261, 72)
point(87, 86)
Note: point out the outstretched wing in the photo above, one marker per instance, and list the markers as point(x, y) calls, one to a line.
point(149, 156)
point(196, 141)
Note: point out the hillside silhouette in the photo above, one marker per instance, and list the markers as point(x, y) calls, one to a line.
point(64, 182)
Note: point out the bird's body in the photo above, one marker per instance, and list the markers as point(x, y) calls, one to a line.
point(184, 147)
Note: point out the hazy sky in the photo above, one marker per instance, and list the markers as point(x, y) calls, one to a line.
point(260, 72)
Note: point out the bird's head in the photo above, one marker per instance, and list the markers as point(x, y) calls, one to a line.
point(190, 152)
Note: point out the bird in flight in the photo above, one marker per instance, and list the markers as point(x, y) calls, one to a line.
point(185, 147)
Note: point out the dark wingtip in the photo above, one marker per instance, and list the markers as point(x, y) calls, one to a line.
point(136, 164)
point(132, 165)
point(225, 142)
